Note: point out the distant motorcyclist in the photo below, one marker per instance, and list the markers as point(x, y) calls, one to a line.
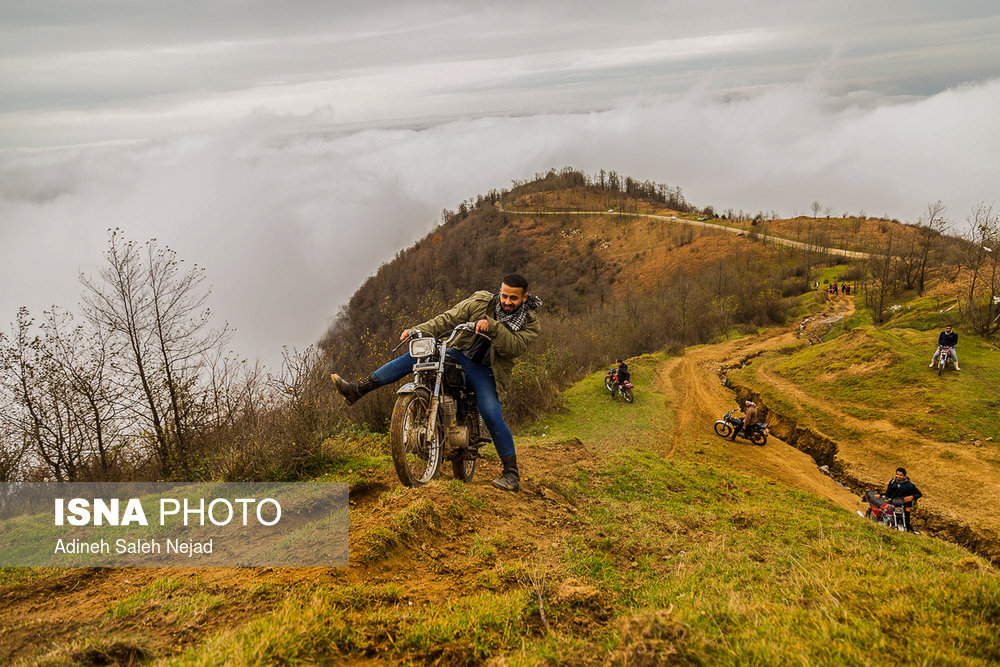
point(509, 322)
point(749, 419)
point(622, 374)
point(900, 488)
point(949, 339)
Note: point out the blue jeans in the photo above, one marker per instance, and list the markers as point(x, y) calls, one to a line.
point(479, 378)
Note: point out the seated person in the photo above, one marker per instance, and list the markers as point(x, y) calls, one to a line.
point(622, 374)
point(749, 419)
point(901, 488)
point(949, 339)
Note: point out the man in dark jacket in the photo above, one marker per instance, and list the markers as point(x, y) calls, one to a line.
point(622, 374)
point(901, 488)
point(509, 322)
point(949, 339)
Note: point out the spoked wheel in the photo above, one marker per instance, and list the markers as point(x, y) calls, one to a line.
point(608, 384)
point(723, 429)
point(465, 469)
point(941, 365)
point(758, 438)
point(415, 452)
point(627, 395)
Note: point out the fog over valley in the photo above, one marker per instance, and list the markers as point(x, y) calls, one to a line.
point(292, 155)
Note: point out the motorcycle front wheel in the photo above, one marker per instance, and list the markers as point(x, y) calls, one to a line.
point(416, 454)
point(723, 429)
point(608, 384)
point(758, 438)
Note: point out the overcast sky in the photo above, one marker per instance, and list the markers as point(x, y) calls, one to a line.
point(290, 148)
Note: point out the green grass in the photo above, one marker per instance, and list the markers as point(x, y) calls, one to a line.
point(592, 415)
point(755, 575)
point(170, 598)
point(854, 371)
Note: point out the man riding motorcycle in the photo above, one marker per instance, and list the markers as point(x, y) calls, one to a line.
point(949, 339)
point(900, 487)
point(749, 419)
point(622, 374)
point(509, 323)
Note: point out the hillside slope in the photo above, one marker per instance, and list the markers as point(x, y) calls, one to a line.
point(639, 537)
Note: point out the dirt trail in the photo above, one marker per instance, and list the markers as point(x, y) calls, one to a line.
point(693, 381)
point(944, 473)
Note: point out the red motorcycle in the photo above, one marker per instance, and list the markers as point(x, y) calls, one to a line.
point(944, 357)
point(624, 389)
point(889, 512)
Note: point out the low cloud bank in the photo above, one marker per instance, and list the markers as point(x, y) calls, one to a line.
point(290, 215)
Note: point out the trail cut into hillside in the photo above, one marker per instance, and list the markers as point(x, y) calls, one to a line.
point(433, 551)
point(804, 438)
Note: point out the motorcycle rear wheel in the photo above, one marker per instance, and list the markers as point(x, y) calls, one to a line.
point(723, 429)
point(416, 457)
point(464, 469)
point(758, 438)
point(627, 395)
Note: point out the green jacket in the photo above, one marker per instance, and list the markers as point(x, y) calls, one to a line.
point(506, 345)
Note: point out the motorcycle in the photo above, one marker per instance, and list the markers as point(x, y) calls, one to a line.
point(944, 358)
point(889, 512)
point(757, 433)
point(436, 417)
point(624, 389)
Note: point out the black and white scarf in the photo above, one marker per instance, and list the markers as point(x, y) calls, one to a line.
point(515, 321)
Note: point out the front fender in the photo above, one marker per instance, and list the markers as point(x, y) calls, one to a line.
point(415, 388)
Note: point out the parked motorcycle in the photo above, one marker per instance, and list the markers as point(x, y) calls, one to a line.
point(757, 433)
point(624, 389)
point(944, 358)
point(889, 512)
point(436, 417)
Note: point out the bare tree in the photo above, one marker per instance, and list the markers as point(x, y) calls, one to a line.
point(156, 314)
point(932, 225)
point(81, 357)
point(41, 405)
point(982, 259)
point(881, 284)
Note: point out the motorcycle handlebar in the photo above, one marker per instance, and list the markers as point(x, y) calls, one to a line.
point(417, 333)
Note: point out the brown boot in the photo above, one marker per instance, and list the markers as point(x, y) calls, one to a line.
point(352, 391)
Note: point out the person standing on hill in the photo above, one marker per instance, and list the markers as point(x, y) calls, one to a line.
point(900, 488)
point(509, 323)
point(949, 339)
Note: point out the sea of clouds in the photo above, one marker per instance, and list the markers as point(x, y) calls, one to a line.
point(289, 214)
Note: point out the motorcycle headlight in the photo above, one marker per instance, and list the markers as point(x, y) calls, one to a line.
point(421, 347)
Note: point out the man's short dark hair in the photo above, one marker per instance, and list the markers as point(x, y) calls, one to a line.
point(902, 470)
point(515, 280)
